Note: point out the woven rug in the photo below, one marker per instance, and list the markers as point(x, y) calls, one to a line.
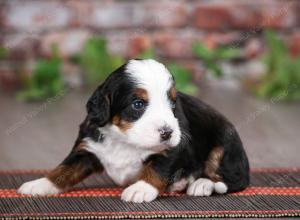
point(273, 193)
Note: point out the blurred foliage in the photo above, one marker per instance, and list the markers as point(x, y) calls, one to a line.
point(4, 53)
point(97, 62)
point(282, 78)
point(46, 80)
point(182, 75)
point(183, 79)
point(210, 57)
point(147, 54)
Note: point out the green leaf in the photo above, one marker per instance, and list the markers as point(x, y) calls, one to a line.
point(227, 53)
point(210, 58)
point(201, 51)
point(215, 69)
point(46, 80)
point(3, 53)
point(183, 79)
point(147, 54)
point(282, 78)
point(97, 62)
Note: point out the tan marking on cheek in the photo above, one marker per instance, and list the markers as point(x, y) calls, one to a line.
point(213, 162)
point(149, 175)
point(122, 124)
point(173, 93)
point(142, 94)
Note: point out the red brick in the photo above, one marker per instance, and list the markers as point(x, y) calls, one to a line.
point(37, 15)
point(179, 44)
point(138, 44)
point(174, 45)
point(68, 42)
point(109, 14)
point(8, 77)
point(118, 42)
point(212, 17)
point(294, 44)
point(2, 14)
point(240, 15)
point(80, 10)
point(21, 45)
point(128, 43)
point(213, 40)
point(280, 15)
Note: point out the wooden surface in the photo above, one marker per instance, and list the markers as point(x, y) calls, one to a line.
point(39, 135)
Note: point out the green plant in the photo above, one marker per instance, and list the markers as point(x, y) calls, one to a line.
point(46, 80)
point(3, 53)
point(282, 77)
point(147, 54)
point(183, 79)
point(96, 61)
point(210, 57)
point(181, 74)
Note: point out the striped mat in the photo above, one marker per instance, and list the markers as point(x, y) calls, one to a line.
point(272, 193)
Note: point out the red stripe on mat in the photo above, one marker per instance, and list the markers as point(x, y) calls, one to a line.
point(253, 170)
point(112, 192)
point(196, 212)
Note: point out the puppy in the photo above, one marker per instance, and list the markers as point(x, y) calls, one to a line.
point(151, 138)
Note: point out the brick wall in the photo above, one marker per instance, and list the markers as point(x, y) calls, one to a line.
point(30, 27)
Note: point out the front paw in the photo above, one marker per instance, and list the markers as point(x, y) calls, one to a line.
point(140, 192)
point(39, 187)
point(201, 187)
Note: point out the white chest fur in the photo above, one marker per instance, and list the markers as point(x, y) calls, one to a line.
point(122, 163)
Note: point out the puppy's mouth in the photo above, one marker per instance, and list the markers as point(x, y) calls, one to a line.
point(159, 148)
point(165, 145)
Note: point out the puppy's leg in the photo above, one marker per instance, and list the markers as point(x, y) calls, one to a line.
point(147, 188)
point(211, 180)
point(78, 165)
point(234, 170)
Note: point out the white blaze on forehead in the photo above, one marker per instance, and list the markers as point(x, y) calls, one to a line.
point(157, 81)
point(150, 75)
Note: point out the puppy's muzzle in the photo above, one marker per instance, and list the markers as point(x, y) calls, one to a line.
point(165, 133)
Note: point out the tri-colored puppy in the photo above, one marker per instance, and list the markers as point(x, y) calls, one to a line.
point(151, 138)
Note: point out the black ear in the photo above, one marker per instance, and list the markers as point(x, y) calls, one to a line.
point(98, 107)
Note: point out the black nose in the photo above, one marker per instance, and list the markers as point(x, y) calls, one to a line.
point(165, 133)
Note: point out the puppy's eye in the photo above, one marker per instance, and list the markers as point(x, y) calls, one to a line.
point(138, 104)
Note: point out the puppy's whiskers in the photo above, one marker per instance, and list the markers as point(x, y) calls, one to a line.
point(185, 138)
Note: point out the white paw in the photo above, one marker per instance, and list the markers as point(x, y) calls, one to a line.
point(179, 185)
point(221, 188)
point(201, 187)
point(139, 192)
point(39, 187)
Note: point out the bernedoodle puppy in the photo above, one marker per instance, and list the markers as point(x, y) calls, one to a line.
point(150, 138)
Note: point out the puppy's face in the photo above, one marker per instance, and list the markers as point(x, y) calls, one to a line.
point(142, 101)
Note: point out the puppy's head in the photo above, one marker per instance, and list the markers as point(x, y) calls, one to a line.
point(136, 104)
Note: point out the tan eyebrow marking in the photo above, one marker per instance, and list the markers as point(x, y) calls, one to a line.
point(142, 94)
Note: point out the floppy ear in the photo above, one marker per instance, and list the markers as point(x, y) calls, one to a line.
point(98, 107)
